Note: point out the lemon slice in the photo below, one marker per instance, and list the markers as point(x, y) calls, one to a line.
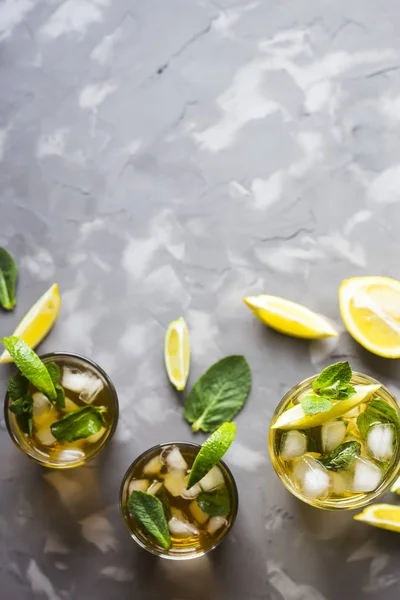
point(289, 318)
point(370, 309)
point(385, 516)
point(296, 418)
point(38, 321)
point(396, 487)
point(177, 353)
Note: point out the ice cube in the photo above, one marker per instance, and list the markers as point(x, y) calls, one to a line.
point(367, 476)
point(155, 488)
point(332, 434)
point(192, 492)
point(42, 407)
point(175, 482)
point(380, 441)
point(70, 455)
point(212, 480)
point(200, 516)
point(95, 437)
point(44, 436)
point(181, 527)
point(85, 383)
point(311, 478)
point(154, 466)
point(215, 524)
point(138, 485)
point(293, 445)
point(175, 460)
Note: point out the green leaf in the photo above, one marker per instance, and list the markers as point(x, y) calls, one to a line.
point(211, 452)
point(313, 404)
point(79, 424)
point(54, 373)
point(60, 400)
point(342, 456)
point(8, 279)
point(148, 510)
point(23, 408)
point(17, 387)
point(30, 365)
point(377, 411)
point(215, 504)
point(219, 394)
point(338, 391)
point(163, 497)
point(338, 373)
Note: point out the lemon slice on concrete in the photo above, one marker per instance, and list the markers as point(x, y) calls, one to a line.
point(289, 318)
point(177, 353)
point(370, 309)
point(296, 418)
point(38, 321)
point(385, 516)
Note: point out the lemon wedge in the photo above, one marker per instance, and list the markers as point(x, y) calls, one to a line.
point(177, 353)
point(385, 516)
point(296, 418)
point(370, 309)
point(289, 318)
point(38, 320)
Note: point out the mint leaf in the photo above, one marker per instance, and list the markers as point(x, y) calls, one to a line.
point(377, 411)
point(338, 391)
point(342, 456)
point(17, 387)
point(54, 373)
point(313, 404)
point(23, 408)
point(78, 424)
point(338, 373)
point(8, 279)
point(148, 510)
point(215, 504)
point(219, 394)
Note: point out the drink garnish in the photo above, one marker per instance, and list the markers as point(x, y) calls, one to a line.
point(211, 452)
point(177, 353)
point(8, 279)
point(79, 424)
point(55, 375)
point(216, 503)
point(343, 456)
point(219, 394)
point(333, 383)
point(21, 402)
point(377, 411)
point(149, 511)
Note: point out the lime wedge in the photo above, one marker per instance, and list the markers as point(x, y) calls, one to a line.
point(30, 365)
point(211, 452)
point(177, 353)
point(296, 418)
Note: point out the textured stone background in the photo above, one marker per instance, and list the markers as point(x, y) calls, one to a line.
point(165, 158)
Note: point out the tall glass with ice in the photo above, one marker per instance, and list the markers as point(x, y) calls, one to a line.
point(344, 457)
point(85, 385)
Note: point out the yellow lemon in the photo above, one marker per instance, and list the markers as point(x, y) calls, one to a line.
point(289, 318)
point(370, 309)
point(385, 516)
point(177, 353)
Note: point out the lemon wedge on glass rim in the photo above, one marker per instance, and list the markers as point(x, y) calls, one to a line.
point(177, 353)
point(370, 309)
point(384, 516)
point(296, 418)
point(289, 318)
point(38, 321)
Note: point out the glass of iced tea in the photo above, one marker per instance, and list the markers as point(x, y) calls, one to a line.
point(337, 449)
point(69, 435)
point(198, 518)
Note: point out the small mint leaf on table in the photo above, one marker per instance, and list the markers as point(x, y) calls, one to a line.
point(338, 373)
point(219, 394)
point(148, 510)
point(8, 279)
point(215, 504)
point(313, 404)
point(79, 424)
point(343, 456)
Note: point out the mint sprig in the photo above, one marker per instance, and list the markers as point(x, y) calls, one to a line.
point(215, 504)
point(377, 411)
point(21, 402)
point(54, 373)
point(333, 383)
point(149, 511)
point(8, 279)
point(343, 456)
point(79, 424)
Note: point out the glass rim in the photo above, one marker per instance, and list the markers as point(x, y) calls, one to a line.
point(164, 553)
point(352, 503)
point(114, 395)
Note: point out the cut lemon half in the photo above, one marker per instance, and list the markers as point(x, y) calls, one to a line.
point(177, 353)
point(296, 418)
point(38, 321)
point(385, 516)
point(370, 309)
point(289, 318)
